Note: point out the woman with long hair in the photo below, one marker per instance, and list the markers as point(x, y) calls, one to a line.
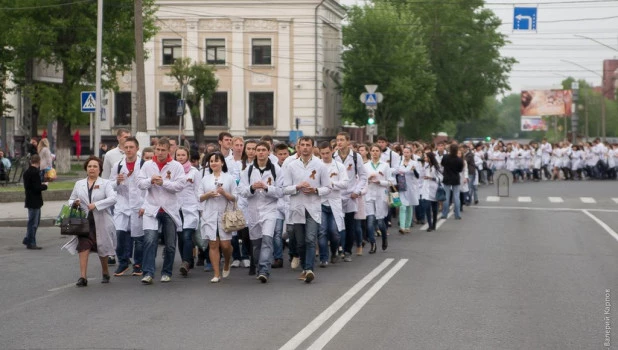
point(95, 196)
point(408, 189)
point(189, 209)
point(431, 178)
point(379, 178)
point(216, 192)
point(46, 157)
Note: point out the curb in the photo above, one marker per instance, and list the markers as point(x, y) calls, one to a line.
point(45, 222)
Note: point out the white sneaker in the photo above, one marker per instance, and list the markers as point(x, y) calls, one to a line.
point(235, 263)
point(165, 278)
point(309, 276)
point(226, 273)
point(295, 263)
point(215, 280)
point(147, 280)
point(246, 263)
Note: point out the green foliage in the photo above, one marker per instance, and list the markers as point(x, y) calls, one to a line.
point(384, 47)
point(201, 79)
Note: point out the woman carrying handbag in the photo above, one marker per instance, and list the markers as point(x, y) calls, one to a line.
point(380, 179)
point(95, 196)
point(215, 192)
point(407, 184)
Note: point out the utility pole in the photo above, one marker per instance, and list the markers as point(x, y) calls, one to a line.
point(97, 112)
point(139, 70)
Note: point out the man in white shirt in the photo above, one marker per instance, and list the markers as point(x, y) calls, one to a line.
point(162, 178)
point(306, 180)
point(115, 155)
point(392, 159)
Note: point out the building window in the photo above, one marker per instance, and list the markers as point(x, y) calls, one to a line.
point(172, 50)
point(261, 51)
point(122, 109)
point(167, 109)
point(261, 107)
point(216, 111)
point(215, 51)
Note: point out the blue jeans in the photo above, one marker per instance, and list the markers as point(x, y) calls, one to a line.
point(372, 222)
point(430, 211)
point(34, 218)
point(473, 189)
point(138, 253)
point(185, 245)
point(236, 251)
point(305, 235)
point(278, 240)
point(168, 228)
point(328, 232)
point(124, 248)
point(454, 190)
point(263, 253)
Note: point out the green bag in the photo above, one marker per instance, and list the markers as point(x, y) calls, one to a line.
point(65, 212)
point(393, 198)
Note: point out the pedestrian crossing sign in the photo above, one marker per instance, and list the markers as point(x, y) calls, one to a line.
point(371, 100)
point(88, 101)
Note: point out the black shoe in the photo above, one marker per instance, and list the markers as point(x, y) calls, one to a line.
point(429, 229)
point(476, 202)
point(105, 279)
point(111, 261)
point(33, 247)
point(25, 241)
point(278, 263)
point(373, 249)
point(252, 271)
point(384, 244)
point(82, 282)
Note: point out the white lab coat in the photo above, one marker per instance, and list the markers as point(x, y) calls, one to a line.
point(430, 186)
point(546, 150)
point(376, 199)
point(262, 203)
point(411, 195)
point(357, 180)
point(214, 208)
point(338, 183)
point(390, 157)
point(129, 198)
point(112, 157)
point(188, 199)
point(316, 174)
point(103, 197)
point(164, 196)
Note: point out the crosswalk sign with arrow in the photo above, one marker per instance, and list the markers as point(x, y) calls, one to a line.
point(88, 101)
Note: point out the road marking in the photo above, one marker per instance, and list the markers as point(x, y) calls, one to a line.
point(493, 199)
point(301, 336)
point(556, 199)
point(602, 224)
point(336, 327)
point(615, 200)
point(439, 223)
point(524, 199)
point(67, 286)
point(587, 200)
point(544, 209)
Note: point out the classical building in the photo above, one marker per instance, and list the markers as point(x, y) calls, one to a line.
point(276, 61)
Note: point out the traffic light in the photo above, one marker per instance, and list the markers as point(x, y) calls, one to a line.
point(488, 138)
point(371, 121)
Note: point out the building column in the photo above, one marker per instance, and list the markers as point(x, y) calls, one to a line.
point(238, 115)
point(283, 96)
point(152, 100)
point(192, 44)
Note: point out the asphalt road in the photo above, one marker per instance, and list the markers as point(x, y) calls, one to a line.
point(511, 275)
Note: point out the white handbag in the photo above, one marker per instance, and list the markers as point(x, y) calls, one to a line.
point(233, 219)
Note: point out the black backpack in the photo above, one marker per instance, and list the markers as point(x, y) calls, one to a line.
point(355, 162)
point(272, 171)
point(141, 163)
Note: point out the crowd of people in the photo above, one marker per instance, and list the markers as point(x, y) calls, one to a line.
point(326, 202)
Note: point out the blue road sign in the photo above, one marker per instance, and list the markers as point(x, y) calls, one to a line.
point(371, 100)
point(89, 101)
point(180, 108)
point(524, 18)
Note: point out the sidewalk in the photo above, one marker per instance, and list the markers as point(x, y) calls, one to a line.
point(15, 215)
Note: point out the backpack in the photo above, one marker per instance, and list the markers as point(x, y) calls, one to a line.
point(141, 163)
point(355, 162)
point(272, 171)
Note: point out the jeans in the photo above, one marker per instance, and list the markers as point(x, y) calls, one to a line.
point(454, 190)
point(419, 212)
point(236, 249)
point(430, 209)
point(124, 247)
point(278, 240)
point(168, 228)
point(405, 216)
point(185, 245)
point(473, 189)
point(138, 253)
point(34, 218)
point(263, 254)
point(292, 252)
point(353, 233)
point(372, 222)
point(328, 232)
point(305, 236)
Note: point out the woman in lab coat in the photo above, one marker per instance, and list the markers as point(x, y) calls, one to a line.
point(189, 209)
point(409, 197)
point(380, 178)
point(95, 196)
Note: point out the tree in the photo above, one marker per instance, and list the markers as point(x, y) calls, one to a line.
point(201, 79)
point(384, 47)
point(63, 35)
point(463, 44)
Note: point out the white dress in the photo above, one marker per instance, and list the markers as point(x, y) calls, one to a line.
point(411, 195)
point(376, 199)
point(213, 208)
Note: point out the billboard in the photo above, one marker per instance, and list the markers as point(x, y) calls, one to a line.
point(533, 124)
point(538, 103)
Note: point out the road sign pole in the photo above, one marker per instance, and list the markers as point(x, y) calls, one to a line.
point(92, 149)
point(97, 119)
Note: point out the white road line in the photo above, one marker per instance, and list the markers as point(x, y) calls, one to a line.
point(544, 209)
point(615, 200)
point(336, 327)
point(301, 336)
point(602, 224)
point(524, 199)
point(556, 199)
point(587, 200)
point(493, 199)
point(439, 223)
point(67, 286)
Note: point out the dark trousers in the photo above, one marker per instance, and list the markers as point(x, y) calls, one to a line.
point(431, 212)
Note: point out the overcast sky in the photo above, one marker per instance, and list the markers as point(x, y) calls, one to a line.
point(542, 55)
